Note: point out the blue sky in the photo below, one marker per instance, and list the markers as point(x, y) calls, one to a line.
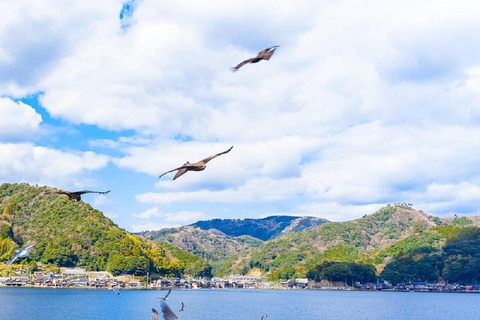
point(364, 104)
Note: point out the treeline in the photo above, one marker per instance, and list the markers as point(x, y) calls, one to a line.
point(417, 259)
point(457, 261)
point(343, 271)
point(73, 234)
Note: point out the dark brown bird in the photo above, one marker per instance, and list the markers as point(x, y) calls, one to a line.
point(76, 195)
point(198, 166)
point(265, 54)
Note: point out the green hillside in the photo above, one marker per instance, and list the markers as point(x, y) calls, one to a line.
point(205, 244)
point(73, 234)
point(220, 241)
point(399, 242)
point(263, 229)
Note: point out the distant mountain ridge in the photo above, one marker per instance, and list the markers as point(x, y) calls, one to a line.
point(263, 229)
point(219, 239)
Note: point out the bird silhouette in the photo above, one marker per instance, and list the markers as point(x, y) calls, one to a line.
point(22, 253)
point(264, 316)
point(265, 54)
point(197, 166)
point(115, 289)
point(166, 296)
point(76, 195)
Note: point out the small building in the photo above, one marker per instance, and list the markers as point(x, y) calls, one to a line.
point(243, 278)
point(99, 274)
point(75, 273)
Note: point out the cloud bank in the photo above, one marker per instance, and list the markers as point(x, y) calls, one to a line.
point(363, 104)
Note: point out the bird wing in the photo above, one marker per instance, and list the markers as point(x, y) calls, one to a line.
point(154, 314)
point(268, 55)
point(185, 166)
point(168, 313)
point(180, 173)
point(216, 155)
point(241, 64)
point(31, 246)
point(273, 47)
point(168, 293)
point(90, 191)
point(115, 289)
point(12, 260)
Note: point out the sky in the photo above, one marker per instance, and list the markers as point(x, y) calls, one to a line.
point(365, 103)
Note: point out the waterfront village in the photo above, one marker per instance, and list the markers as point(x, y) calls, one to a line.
point(80, 278)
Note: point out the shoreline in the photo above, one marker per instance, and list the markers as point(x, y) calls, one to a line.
point(252, 289)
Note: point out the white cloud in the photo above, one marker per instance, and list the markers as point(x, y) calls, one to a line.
point(17, 120)
point(363, 165)
point(144, 226)
point(35, 36)
point(100, 200)
point(111, 215)
point(152, 212)
point(335, 211)
point(254, 191)
point(364, 103)
point(45, 166)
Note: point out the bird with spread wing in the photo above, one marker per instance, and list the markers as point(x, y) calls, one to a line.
point(22, 253)
point(76, 195)
point(166, 296)
point(114, 288)
point(197, 166)
point(265, 54)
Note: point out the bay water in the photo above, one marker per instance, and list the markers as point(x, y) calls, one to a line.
point(236, 304)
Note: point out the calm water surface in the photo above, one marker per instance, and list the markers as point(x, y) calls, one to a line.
point(63, 304)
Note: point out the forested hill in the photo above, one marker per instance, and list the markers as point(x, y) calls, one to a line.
point(73, 234)
point(218, 239)
point(263, 229)
point(400, 243)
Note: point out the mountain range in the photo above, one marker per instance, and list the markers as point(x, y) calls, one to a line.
point(397, 243)
point(293, 246)
point(220, 238)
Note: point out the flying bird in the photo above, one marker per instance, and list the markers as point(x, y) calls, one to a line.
point(265, 54)
point(264, 316)
point(115, 289)
point(168, 313)
point(22, 253)
point(154, 314)
point(183, 307)
point(76, 195)
point(166, 296)
point(198, 166)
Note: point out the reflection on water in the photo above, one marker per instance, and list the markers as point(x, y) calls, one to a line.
point(235, 304)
